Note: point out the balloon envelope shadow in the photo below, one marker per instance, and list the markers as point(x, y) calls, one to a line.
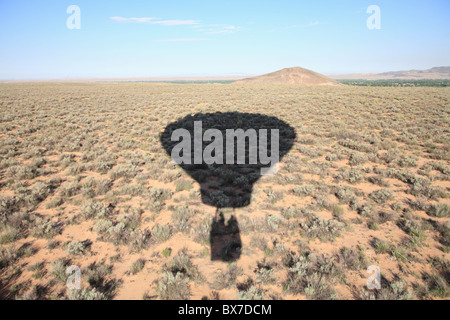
point(225, 185)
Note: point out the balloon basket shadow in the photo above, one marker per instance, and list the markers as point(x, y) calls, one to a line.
point(225, 238)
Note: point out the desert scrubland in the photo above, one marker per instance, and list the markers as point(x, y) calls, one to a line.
point(85, 181)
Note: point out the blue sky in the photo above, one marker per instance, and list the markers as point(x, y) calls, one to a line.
point(208, 37)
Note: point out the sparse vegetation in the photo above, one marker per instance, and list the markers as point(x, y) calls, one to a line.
point(83, 176)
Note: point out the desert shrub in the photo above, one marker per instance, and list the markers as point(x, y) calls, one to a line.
point(357, 145)
point(38, 270)
point(378, 180)
point(357, 159)
point(55, 202)
point(202, 230)
point(182, 264)
point(351, 176)
point(396, 290)
point(15, 225)
point(183, 185)
point(274, 196)
point(440, 210)
point(104, 163)
point(407, 161)
point(65, 160)
point(345, 195)
point(39, 192)
point(338, 212)
point(7, 206)
point(415, 230)
point(311, 275)
point(326, 230)
point(8, 256)
point(227, 279)
point(127, 172)
point(252, 293)
point(265, 273)
point(381, 246)
point(421, 187)
point(75, 248)
point(366, 210)
point(95, 275)
point(70, 190)
point(304, 190)
point(444, 234)
point(86, 294)
point(319, 289)
point(353, 259)
point(169, 176)
point(58, 270)
point(441, 167)
point(44, 228)
point(102, 226)
point(161, 233)
point(137, 266)
point(437, 285)
point(173, 287)
point(382, 196)
point(332, 157)
point(133, 190)
point(20, 172)
point(273, 222)
point(91, 187)
point(76, 169)
point(138, 240)
point(291, 212)
point(121, 234)
point(160, 194)
point(181, 218)
point(94, 209)
point(37, 292)
point(166, 252)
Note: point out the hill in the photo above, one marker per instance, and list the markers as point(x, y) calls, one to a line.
point(295, 75)
point(437, 73)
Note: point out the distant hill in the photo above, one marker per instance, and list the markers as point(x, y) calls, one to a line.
point(295, 75)
point(437, 73)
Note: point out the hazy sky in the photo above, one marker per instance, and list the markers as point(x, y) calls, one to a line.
point(167, 38)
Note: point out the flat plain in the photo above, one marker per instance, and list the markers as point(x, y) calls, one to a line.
point(85, 181)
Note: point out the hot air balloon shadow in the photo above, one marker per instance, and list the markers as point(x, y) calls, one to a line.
point(225, 185)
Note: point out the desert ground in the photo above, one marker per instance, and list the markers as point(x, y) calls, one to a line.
point(85, 181)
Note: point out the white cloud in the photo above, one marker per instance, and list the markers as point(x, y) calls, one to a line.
point(308, 25)
point(194, 24)
point(219, 29)
point(183, 40)
point(149, 20)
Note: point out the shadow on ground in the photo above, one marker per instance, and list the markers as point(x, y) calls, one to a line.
point(227, 185)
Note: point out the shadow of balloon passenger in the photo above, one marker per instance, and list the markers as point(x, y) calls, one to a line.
point(225, 239)
point(225, 165)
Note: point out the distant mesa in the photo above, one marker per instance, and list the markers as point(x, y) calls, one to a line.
point(437, 73)
point(295, 75)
